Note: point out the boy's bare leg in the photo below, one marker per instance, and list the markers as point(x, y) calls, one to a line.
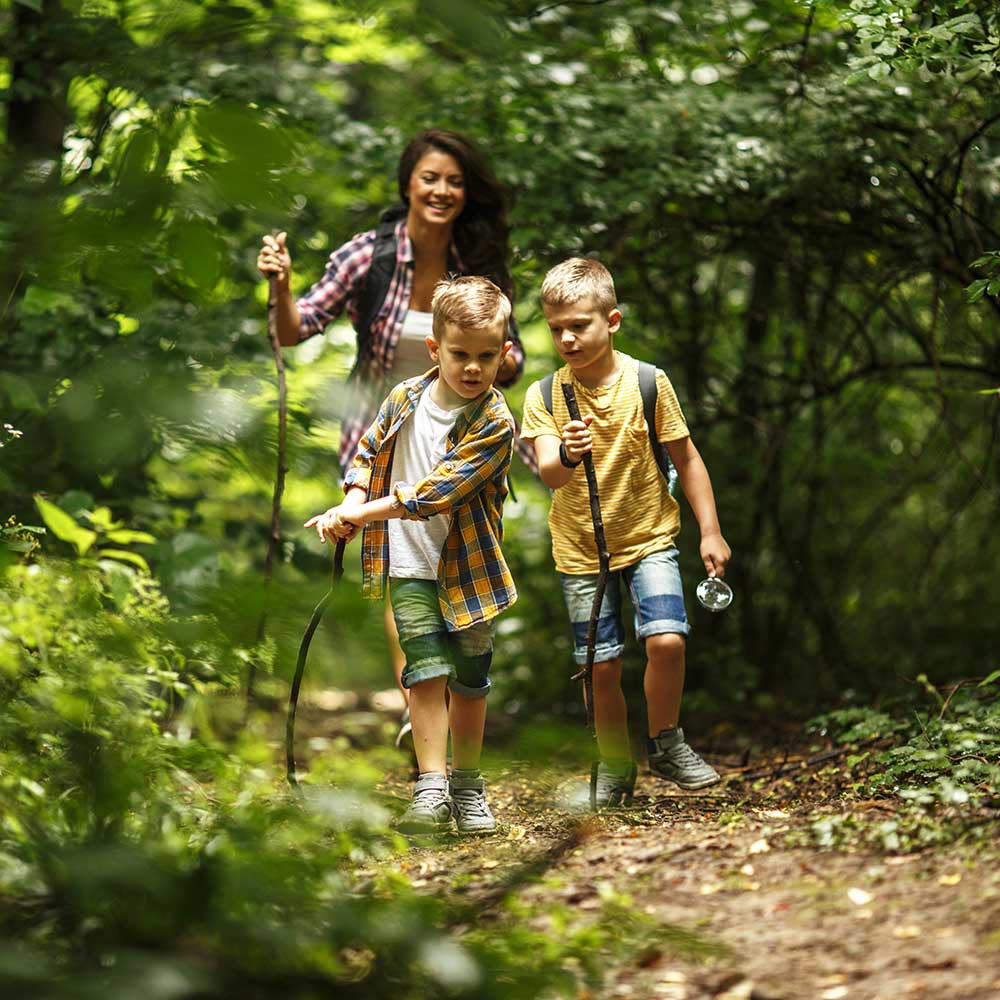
point(467, 718)
point(664, 680)
point(610, 711)
point(429, 717)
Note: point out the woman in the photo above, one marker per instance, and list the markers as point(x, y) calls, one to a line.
point(453, 218)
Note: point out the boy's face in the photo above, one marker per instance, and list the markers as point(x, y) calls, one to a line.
point(581, 332)
point(468, 360)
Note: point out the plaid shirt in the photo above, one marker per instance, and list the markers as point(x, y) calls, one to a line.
point(341, 286)
point(468, 485)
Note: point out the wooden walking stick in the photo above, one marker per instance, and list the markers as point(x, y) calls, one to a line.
point(274, 535)
point(604, 565)
point(300, 663)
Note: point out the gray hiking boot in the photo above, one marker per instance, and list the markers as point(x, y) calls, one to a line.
point(468, 793)
point(615, 782)
point(431, 808)
point(671, 758)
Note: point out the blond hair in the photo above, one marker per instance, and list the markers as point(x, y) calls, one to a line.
point(579, 278)
point(470, 302)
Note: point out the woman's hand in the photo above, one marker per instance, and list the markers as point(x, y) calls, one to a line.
point(275, 261)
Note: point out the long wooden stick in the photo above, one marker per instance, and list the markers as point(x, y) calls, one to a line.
point(604, 565)
point(274, 535)
point(300, 663)
point(603, 558)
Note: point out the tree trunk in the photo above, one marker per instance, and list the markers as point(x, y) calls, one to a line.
point(36, 121)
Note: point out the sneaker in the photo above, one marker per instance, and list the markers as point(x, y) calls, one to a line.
point(468, 793)
point(614, 783)
point(671, 758)
point(431, 808)
point(404, 738)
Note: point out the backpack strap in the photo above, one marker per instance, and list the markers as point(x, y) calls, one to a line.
point(647, 389)
point(546, 386)
point(377, 281)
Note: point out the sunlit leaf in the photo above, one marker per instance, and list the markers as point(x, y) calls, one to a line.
point(123, 555)
point(64, 527)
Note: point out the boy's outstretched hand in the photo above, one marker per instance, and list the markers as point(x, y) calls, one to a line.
point(715, 554)
point(335, 523)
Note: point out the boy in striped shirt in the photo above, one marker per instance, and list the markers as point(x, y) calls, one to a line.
point(427, 488)
point(641, 521)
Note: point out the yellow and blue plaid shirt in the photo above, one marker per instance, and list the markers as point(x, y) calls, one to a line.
point(469, 485)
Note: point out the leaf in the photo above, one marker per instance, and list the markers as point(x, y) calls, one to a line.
point(19, 392)
point(976, 290)
point(125, 536)
point(124, 556)
point(879, 70)
point(995, 676)
point(64, 527)
point(35, 5)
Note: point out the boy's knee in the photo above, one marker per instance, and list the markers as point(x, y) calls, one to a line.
point(608, 672)
point(666, 648)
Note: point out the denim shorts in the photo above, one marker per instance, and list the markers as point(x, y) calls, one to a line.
point(464, 657)
point(654, 585)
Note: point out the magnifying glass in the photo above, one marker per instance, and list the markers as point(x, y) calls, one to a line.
point(714, 594)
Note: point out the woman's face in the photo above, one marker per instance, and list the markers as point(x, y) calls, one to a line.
point(437, 189)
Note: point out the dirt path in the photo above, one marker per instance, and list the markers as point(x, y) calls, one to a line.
point(783, 921)
point(738, 900)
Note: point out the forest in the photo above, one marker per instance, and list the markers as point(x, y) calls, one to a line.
point(798, 200)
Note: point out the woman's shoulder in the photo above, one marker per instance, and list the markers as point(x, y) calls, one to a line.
point(359, 246)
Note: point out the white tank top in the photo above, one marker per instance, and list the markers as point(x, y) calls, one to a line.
point(412, 357)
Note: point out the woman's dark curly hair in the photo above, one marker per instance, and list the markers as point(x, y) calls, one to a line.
point(481, 232)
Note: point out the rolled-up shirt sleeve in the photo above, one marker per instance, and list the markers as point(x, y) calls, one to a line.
point(345, 271)
point(360, 472)
point(462, 473)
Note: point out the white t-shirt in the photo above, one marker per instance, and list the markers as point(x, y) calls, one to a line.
point(412, 357)
point(415, 546)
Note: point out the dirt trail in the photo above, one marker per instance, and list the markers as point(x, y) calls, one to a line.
point(789, 922)
point(734, 869)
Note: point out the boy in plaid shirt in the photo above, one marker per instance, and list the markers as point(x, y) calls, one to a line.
point(427, 488)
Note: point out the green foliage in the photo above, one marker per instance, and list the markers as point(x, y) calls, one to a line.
point(943, 771)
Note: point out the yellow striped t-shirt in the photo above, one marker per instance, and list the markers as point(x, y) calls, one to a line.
point(640, 516)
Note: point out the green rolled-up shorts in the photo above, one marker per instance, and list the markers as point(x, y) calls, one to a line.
point(431, 649)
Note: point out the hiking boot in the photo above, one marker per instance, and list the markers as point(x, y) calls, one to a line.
point(614, 783)
point(671, 758)
point(430, 809)
point(404, 738)
point(468, 793)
